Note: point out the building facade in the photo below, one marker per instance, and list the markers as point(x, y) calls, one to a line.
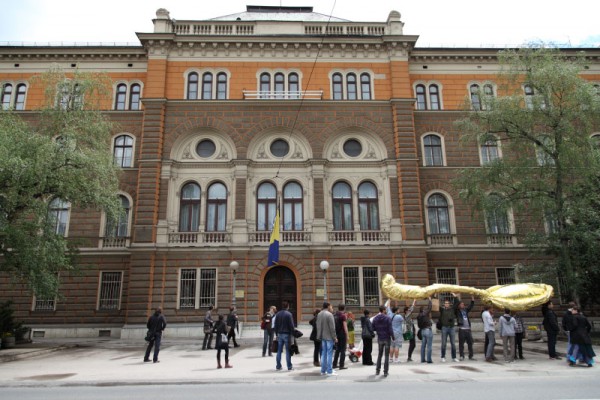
point(344, 127)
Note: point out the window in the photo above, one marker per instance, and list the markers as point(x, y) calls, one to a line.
point(207, 84)
point(421, 97)
point(279, 148)
point(365, 86)
point(368, 207)
point(352, 148)
point(428, 96)
point(432, 148)
point(505, 276)
point(265, 85)
point(127, 97)
point(478, 102)
point(192, 86)
point(294, 85)
point(123, 151)
point(338, 92)
point(528, 89)
point(489, 151)
point(44, 304)
point(134, 97)
point(206, 148)
point(545, 151)
point(361, 286)
point(197, 288)
point(59, 216)
point(354, 90)
point(550, 222)
point(216, 208)
point(293, 207)
point(351, 86)
point(221, 86)
point(189, 208)
point(446, 276)
point(279, 85)
point(266, 204)
point(119, 228)
point(434, 97)
point(497, 218)
point(9, 101)
point(438, 215)
point(109, 297)
point(121, 97)
point(70, 96)
point(342, 207)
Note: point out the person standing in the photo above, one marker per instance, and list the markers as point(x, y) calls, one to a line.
point(315, 339)
point(409, 330)
point(367, 335)
point(222, 343)
point(284, 328)
point(156, 324)
point(424, 323)
point(580, 336)
point(507, 333)
point(519, 333)
point(448, 320)
point(267, 331)
point(397, 326)
point(464, 326)
point(326, 334)
point(489, 328)
point(341, 331)
point(551, 327)
point(232, 324)
point(350, 320)
point(208, 329)
point(382, 324)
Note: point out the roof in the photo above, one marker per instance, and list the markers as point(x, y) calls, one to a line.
point(277, 13)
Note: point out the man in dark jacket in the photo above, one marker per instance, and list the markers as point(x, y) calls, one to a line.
point(448, 320)
point(552, 328)
point(464, 326)
point(284, 328)
point(382, 324)
point(232, 324)
point(156, 324)
point(424, 323)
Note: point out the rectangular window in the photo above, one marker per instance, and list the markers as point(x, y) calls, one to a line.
point(44, 304)
point(361, 286)
point(197, 287)
point(505, 276)
point(110, 290)
point(446, 276)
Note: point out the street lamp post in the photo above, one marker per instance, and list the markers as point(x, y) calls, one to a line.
point(234, 266)
point(324, 265)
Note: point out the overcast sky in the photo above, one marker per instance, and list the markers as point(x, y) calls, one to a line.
point(473, 23)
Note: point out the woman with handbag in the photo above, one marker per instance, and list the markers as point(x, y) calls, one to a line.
point(222, 342)
point(367, 337)
point(409, 330)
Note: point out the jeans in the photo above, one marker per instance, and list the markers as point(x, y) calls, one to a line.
point(519, 345)
point(156, 344)
point(465, 335)
point(284, 339)
point(508, 348)
point(384, 348)
point(340, 351)
point(326, 356)
point(448, 331)
point(489, 351)
point(552, 343)
point(427, 341)
point(411, 347)
point(267, 341)
point(207, 341)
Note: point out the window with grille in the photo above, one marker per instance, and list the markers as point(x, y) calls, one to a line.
point(197, 288)
point(44, 304)
point(361, 286)
point(505, 276)
point(446, 276)
point(110, 290)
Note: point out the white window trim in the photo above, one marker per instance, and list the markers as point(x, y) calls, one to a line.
point(197, 288)
point(128, 85)
point(361, 289)
point(112, 148)
point(443, 143)
point(427, 84)
point(99, 290)
point(286, 82)
point(498, 146)
point(201, 72)
point(68, 207)
point(481, 85)
point(103, 221)
point(451, 217)
point(13, 96)
point(357, 73)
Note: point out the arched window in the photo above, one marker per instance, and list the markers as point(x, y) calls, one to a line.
point(365, 86)
point(216, 208)
point(497, 217)
point(489, 151)
point(342, 207)
point(192, 86)
point(351, 86)
point(528, 89)
point(475, 100)
point(266, 206)
point(189, 208)
point(292, 207)
point(6, 96)
point(434, 97)
point(265, 85)
point(368, 207)
point(432, 147)
point(121, 98)
point(421, 97)
point(338, 92)
point(221, 86)
point(134, 97)
point(207, 84)
point(123, 151)
point(20, 99)
point(59, 216)
point(294, 85)
point(438, 215)
point(119, 228)
point(279, 85)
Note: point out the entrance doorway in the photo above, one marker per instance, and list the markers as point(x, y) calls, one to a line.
point(280, 285)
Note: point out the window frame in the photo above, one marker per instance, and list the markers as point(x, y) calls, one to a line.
point(191, 203)
point(16, 98)
point(446, 280)
point(100, 300)
point(197, 289)
point(120, 160)
point(216, 223)
point(345, 204)
point(485, 157)
point(293, 203)
point(506, 280)
point(361, 280)
point(268, 206)
point(425, 147)
point(447, 208)
point(349, 85)
point(428, 95)
point(371, 204)
point(63, 208)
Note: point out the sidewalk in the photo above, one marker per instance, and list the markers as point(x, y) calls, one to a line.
point(104, 361)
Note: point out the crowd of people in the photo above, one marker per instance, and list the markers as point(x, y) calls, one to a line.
point(333, 334)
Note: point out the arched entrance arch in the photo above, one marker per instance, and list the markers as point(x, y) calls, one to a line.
point(280, 285)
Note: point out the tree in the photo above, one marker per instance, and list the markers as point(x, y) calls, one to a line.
point(543, 121)
point(63, 157)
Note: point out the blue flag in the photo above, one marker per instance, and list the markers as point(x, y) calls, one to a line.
point(274, 243)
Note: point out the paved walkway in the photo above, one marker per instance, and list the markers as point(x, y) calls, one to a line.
point(102, 361)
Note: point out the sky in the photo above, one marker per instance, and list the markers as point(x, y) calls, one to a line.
point(460, 23)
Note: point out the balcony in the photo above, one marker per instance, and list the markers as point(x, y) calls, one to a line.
point(283, 95)
point(442, 240)
point(501, 239)
point(285, 237)
point(371, 237)
point(114, 242)
point(196, 238)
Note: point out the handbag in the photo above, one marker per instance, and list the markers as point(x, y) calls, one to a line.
point(274, 346)
point(408, 335)
point(297, 333)
point(419, 334)
point(149, 335)
point(224, 339)
point(438, 325)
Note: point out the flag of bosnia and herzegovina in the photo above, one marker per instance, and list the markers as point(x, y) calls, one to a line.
point(274, 243)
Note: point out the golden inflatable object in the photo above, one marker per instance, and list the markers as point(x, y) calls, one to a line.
point(517, 297)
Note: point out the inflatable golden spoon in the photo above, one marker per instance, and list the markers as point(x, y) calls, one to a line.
point(517, 297)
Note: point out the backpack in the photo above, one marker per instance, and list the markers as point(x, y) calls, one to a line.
point(421, 321)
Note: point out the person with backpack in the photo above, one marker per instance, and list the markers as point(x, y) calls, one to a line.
point(341, 332)
point(156, 325)
point(424, 323)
